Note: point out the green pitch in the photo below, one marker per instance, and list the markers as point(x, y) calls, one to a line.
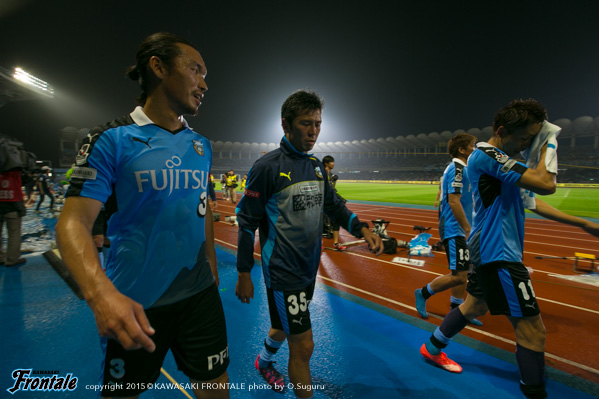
point(575, 201)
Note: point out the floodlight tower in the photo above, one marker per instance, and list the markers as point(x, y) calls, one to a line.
point(18, 85)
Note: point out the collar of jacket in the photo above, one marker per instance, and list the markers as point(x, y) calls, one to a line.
point(290, 150)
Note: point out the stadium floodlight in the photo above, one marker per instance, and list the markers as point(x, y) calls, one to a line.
point(28, 79)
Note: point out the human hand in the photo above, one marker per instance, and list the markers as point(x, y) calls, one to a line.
point(244, 289)
point(121, 318)
point(375, 243)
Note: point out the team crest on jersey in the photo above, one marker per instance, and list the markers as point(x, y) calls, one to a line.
point(496, 154)
point(501, 158)
point(318, 172)
point(82, 155)
point(458, 175)
point(198, 146)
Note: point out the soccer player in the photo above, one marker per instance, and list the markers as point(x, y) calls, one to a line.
point(151, 170)
point(329, 163)
point(454, 226)
point(499, 281)
point(287, 192)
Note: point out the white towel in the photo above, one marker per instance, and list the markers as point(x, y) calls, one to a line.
point(547, 135)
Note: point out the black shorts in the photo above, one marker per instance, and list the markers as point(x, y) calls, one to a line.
point(334, 227)
point(193, 329)
point(100, 226)
point(458, 255)
point(289, 310)
point(506, 287)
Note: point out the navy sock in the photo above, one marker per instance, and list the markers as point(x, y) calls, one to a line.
point(427, 292)
point(453, 323)
point(531, 365)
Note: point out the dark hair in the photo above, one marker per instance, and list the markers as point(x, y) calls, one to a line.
point(162, 45)
point(299, 102)
point(328, 159)
point(518, 114)
point(460, 140)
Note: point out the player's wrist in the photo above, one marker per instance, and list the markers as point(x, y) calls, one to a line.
point(244, 275)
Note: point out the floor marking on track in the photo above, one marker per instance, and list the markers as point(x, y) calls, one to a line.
point(395, 264)
point(490, 335)
point(440, 274)
point(171, 379)
point(437, 274)
point(553, 245)
point(570, 306)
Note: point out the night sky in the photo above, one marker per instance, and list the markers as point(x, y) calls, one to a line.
point(385, 68)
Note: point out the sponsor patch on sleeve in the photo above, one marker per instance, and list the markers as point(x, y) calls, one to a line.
point(250, 193)
point(508, 165)
point(84, 173)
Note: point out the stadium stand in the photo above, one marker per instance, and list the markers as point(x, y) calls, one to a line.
point(414, 157)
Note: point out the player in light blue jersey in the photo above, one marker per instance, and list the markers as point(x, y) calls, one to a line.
point(455, 218)
point(151, 170)
point(499, 282)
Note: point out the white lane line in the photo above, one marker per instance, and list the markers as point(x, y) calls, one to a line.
point(497, 337)
point(439, 274)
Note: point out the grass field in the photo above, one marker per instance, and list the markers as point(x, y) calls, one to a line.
point(574, 201)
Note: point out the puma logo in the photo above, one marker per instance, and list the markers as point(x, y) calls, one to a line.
point(141, 141)
point(297, 321)
point(287, 175)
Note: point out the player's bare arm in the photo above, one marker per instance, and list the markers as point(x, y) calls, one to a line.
point(539, 180)
point(117, 316)
point(458, 212)
point(551, 213)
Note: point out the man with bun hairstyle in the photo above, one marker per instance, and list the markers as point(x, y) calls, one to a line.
point(160, 289)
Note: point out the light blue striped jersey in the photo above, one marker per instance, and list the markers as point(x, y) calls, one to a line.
point(498, 229)
point(154, 185)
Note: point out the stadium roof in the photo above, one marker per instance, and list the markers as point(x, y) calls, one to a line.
point(584, 126)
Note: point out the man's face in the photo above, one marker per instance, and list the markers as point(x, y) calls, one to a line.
point(330, 165)
point(303, 132)
point(185, 82)
point(520, 139)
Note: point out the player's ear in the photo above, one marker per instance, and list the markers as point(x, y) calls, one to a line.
point(157, 66)
point(501, 132)
point(285, 125)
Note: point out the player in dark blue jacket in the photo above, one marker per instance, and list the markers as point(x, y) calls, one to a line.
point(286, 194)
